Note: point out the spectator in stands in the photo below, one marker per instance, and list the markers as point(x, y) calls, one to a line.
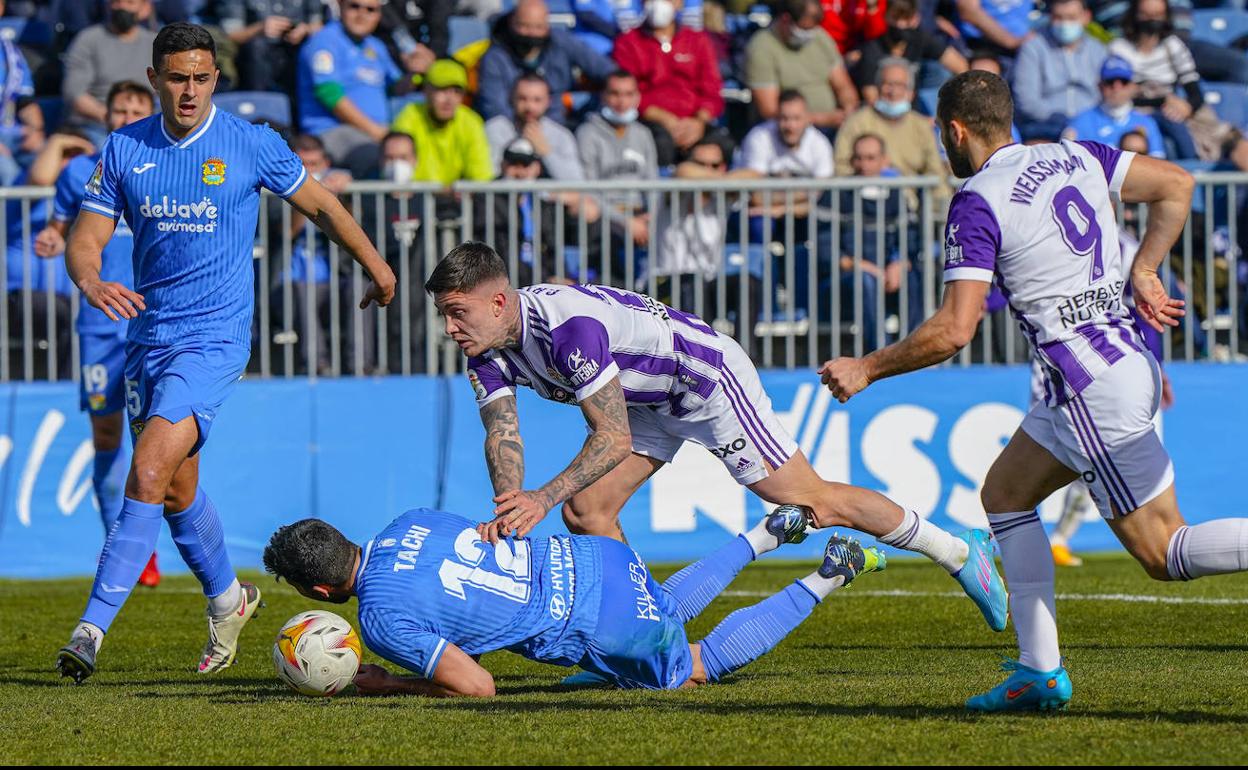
point(1114, 117)
point(1055, 77)
point(795, 53)
point(908, 138)
point(1162, 65)
point(450, 138)
point(1000, 26)
point(21, 120)
point(907, 38)
point(614, 145)
point(880, 265)
point(788, 145)
point(1137, 141)
point(533, 223)
point(853, 22)
point(313, 277)
point(268, 34)
point(524, 41)
point(344, 77)
point(101, 55)
point(678, 74)
point(530, 99)
point(417, 26)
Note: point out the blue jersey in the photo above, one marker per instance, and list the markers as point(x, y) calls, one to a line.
point(192, 204)
point(1013, 15)
point(427, 580)
point(1096, 125)
point(115, 262)
point(23, 219)
point(363, 69)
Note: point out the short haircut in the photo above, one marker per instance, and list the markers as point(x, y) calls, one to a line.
point(399, 135)
point(716, 139)
point(900, 9)
point(620, 75)
point(307, 143)
point(528, 77)
point(978, 100)
point(178, 37)
point(1053, 3)
point(466, 267)
point(129, 88)
point(791, 95)
point(310, 553)
point(895, 61)
point(870, 137)
point(796, 9)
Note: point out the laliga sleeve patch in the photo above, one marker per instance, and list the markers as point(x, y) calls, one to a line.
point(97, 176)
point(323, 63)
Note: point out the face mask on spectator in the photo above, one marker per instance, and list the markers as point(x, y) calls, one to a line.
point(619, 118)
point(897, 35)
point(799, 37)
point(1067, 32)
point(528, 43)
point(660, 13)
point(1119, 112)
point(398, 170)
point(122, 20)
point(891, 109)
point(1153, 27)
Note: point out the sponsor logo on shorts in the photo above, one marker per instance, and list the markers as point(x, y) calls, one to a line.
point(744, 464)
point(731, 448)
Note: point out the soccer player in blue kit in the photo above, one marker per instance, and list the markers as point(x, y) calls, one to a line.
point(432, 595)
point(188, 182)
point(101, 340)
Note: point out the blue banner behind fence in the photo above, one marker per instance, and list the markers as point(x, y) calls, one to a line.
point(358, 452)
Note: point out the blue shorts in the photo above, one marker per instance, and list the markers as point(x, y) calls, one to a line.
point(178, 381)
point(103, 359)
point(638, 643)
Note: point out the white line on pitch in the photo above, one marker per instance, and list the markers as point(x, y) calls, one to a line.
point(1135, 598)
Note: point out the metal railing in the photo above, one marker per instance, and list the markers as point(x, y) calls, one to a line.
point(796, 270)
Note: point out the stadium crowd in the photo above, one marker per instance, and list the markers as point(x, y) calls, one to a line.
point(450, 90)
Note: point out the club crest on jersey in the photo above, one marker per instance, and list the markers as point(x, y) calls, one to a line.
point(953, 252)
point(214, 171)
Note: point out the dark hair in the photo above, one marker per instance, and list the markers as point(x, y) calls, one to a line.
point(865, 137)
point(1052, 3)
point(310, 553)
point(897, 10)
point(131, 88)
point(978, 100)
point(398, 135)
point(307, 143)
point(178, 37)
point(528, 77)
point(1138, 133)
point(1131, 25)
point(716, 139)
point(465, 267)
point(796, 9)
point(791, 95)
point(620, 75)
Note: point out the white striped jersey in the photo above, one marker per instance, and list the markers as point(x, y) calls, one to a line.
point(575, 339)
point(1041, 220)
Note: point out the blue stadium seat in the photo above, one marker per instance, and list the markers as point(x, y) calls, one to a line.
point(256, 106)
point(927, 100)
point(1229, 100)
point(32, 32)
point(1219, 25)
point(53, 110)
point(464, 31)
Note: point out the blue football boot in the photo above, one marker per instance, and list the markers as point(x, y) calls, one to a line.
point(1025, 689)
point(981, 581)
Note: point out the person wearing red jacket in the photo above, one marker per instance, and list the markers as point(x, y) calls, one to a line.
point(678, 75)
point(853, 22)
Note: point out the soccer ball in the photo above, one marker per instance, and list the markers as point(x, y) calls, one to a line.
point(317, 653)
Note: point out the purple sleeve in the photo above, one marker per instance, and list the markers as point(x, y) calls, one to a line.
point(972, 239)
point(1114, 162)
point(489, 379)
point(580, 350)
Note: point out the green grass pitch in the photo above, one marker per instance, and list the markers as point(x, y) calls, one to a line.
point(876, 676)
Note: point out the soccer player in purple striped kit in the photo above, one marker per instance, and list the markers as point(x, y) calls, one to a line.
point(188, 181)
point(1041, 218)
point(647, 379)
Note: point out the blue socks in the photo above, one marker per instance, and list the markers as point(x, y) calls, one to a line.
point(127, 548)
point(201, 541)
point(108, 478)
point(750, 632)
point(696, 585)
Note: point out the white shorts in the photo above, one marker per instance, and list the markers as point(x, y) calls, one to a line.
point(735, 424)
point(1108, 436)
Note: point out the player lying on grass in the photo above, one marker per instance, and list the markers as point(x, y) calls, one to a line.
point(649, 378)
point(433, 596)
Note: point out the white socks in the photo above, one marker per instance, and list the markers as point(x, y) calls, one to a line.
point(1212, 548)
point(227, 601)
point(918, 534)
point(1028, 565)
point(820, 586)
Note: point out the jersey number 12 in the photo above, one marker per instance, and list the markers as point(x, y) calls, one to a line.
point(514, 560)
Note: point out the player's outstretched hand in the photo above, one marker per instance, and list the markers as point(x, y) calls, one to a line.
point(371, 679)
point(381, 288)
point(518, 512)
point(845, 377)
point(1156, 306)
point(116, 300)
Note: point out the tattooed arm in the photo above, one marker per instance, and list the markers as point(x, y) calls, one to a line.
point(504, 449)
point(609, 442)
